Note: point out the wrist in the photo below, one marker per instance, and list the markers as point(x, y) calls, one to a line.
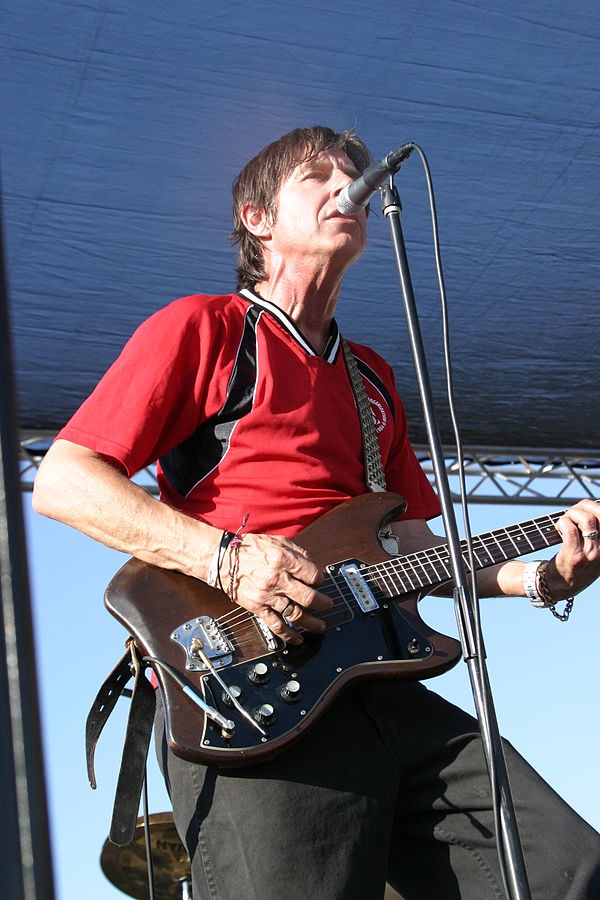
point(535, 584)
point(537, 588)
point(547, 595)
point(547, 590)
point(530, 583)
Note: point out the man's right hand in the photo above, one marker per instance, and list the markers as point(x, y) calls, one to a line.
point(275, 580)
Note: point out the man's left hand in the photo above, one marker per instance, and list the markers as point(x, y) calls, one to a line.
point(577, 564)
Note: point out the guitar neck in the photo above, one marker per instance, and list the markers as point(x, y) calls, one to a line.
point(431, 567)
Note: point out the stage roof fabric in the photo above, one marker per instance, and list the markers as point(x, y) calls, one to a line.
point(124, 124)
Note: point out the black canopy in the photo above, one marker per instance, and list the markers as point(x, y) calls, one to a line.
point(123, 126)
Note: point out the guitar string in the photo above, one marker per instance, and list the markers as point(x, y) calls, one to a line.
point(240, 617)
point(241, 621)
point(420, 564)
point(381, 574)
point(410, 564)
point(245, 616)
point(327, 585)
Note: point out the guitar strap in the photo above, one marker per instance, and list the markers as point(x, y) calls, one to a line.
point(137, 739)
point(374, 474)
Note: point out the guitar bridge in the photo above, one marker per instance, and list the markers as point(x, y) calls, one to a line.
point(204, 634)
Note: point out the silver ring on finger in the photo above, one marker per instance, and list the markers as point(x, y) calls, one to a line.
point(592, 535)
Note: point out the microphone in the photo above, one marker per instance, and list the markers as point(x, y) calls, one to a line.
point(356, 195)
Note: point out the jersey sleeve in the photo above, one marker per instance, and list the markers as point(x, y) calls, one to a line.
point(152, 396)
point(405, 476)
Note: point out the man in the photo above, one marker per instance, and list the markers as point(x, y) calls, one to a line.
point(245, 401)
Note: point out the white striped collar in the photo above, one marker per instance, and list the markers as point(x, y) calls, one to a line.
point(333, 342)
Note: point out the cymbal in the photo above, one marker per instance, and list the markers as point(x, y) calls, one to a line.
point(127, 869)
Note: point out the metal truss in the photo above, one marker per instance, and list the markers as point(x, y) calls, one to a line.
point(33, 446)
point(493, 475)
point(520, 476)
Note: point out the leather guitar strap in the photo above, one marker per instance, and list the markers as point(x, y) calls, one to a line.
point(137, 739)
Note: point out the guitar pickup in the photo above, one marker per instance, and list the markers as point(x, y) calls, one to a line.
point(204, 634)
point(361, 591)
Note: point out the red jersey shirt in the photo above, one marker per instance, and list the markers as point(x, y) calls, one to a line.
point(245, 418)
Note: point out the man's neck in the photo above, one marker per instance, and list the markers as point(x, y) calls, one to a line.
point(311, 305)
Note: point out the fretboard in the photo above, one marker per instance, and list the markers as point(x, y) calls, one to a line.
point(431, 567)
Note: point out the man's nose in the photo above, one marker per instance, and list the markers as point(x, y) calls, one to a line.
point(340, 181)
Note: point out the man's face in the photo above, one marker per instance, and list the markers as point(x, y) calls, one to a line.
point(308, 225)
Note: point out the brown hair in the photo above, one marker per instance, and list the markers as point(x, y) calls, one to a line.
point(260, 180)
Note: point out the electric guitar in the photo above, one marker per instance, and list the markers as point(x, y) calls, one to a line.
point(234, 693)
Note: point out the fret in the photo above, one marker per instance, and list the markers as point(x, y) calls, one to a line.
point(387, 577)
point(394, 577)
point(421, 559)
point(407, 569)
point(542, 535)
point(499, 545)
point(437, 551)
point(406, 561)
point(522, 534)
point(465, 555)
point(482, 563)
point(377, 577)
point(509, 536)
point(549, 532)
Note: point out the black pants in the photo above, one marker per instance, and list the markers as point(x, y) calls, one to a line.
point(390, 784)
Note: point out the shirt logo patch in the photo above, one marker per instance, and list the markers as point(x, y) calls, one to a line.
point(379, 415)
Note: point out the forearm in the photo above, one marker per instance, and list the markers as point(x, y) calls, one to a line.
point(85, 491)
point(505, 579)
point(82, 489)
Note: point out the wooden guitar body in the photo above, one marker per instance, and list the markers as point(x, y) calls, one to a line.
point(257, 694)
point(389, 641)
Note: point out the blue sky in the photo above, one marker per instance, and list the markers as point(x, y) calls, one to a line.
point(544, 676)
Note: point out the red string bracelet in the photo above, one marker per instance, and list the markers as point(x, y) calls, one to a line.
point(234, 554)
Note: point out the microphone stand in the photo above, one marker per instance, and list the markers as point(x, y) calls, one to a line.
point(509, 848)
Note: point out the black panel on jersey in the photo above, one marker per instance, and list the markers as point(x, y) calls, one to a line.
point(368, 373)
point(186, 465)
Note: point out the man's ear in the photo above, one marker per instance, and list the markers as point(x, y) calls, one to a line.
point(256, 221)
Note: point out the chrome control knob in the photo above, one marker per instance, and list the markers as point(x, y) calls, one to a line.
point(291, 691)
point(259, 673)
point(232, 691)
point(265, 714)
